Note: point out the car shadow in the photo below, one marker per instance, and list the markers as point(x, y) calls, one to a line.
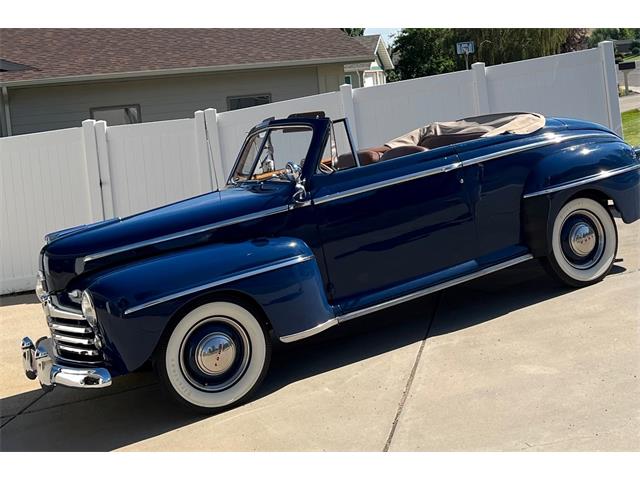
point(134, 409)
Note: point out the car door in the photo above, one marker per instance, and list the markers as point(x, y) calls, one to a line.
point(496, 186)
point(386, 226)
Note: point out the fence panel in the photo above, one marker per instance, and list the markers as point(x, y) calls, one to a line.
point(387, 111)
point(568, 85)
point(43, 188)
point(153, 164)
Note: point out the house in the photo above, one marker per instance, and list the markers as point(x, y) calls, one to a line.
point(56, 78)
point(367, 74)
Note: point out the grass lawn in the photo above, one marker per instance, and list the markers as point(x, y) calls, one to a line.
point(633, 58)
point(631, 127)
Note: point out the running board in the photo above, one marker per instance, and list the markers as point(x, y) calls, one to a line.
point(405, 298)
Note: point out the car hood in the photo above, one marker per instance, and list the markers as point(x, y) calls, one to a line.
point(87, 248)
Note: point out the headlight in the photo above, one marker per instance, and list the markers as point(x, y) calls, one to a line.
point(41, 289)
point(88, 311)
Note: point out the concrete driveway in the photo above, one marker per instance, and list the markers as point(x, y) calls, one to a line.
point(507, 362)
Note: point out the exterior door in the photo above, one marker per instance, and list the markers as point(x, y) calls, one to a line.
point(386, 224)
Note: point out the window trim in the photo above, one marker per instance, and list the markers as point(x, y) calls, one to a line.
point(249, 95)
point(92, 110)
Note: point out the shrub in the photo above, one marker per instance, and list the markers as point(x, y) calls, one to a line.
point(635, 50)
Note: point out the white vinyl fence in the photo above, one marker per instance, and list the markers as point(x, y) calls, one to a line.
point(63, 178)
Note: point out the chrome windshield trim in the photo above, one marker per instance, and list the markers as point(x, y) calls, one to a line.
point(584, 181)
point(551, 140)
point(186, 233)
point(387, 183)
point(405, 298)
point(232, 278)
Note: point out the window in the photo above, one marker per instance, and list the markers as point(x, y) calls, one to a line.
point(236, 103)
point(338, 152)
point(374, 77)
point(117, 114)
point(347, 79)
point(267, 153)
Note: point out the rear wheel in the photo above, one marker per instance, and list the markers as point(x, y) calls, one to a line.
point(584, 241)
point(215, 357)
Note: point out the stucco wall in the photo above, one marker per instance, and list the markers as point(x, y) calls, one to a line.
point(41, 108)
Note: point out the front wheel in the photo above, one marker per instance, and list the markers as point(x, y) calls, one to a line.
point(215, 357)
point(584, 241)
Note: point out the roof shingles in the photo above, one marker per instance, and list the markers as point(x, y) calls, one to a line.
point(57, 53)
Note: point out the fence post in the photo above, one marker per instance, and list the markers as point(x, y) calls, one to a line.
point(93, 169)
point(215, 148)
point(608, 62)
point(350, 112)
point(481, 91)
point(202, 152)
point(104, 169)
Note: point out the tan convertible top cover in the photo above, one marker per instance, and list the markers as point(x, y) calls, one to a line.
point(474, 127)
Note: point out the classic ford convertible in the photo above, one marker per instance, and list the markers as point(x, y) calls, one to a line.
point(310, 233)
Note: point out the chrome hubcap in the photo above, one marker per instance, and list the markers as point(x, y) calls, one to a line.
point(215, 353)
point(582, 239)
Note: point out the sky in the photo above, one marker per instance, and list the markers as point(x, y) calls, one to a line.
point(385, 32)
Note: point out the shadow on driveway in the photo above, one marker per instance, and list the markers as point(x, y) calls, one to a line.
point(133, 409)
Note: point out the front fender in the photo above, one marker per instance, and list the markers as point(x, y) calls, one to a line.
point(136, 302)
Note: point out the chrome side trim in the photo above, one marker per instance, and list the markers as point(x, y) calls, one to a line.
point(310, 332)
point(185, 233)
point(388, 183)
point(584, 181)
point(222, 281)
point(551, 140)
point(434, 288)
point(405, 298)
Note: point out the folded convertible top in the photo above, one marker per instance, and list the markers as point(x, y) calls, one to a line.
point(473, 127)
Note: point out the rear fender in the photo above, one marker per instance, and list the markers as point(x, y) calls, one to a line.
point(601, 170)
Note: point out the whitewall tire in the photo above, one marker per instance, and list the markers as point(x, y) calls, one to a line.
point(584, 242)
point(215, 357)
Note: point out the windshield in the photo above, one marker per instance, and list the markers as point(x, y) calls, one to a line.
point(266, 153)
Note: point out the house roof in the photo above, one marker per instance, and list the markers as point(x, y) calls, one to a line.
point(66, 55)
point(374, 45)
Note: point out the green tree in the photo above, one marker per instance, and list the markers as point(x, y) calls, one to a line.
point(422, 51)
point(502, 45)
point(600, 34)
point(353, 32)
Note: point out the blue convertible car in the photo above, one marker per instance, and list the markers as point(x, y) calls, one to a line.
point(310, 233)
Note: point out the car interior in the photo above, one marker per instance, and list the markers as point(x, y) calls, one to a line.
point(440, 134)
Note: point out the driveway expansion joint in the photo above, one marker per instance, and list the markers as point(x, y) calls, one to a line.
point(412, 374)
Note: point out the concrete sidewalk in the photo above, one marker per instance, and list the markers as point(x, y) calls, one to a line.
point(507, 362)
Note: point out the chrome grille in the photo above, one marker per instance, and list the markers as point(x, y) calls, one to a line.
point(72, 335)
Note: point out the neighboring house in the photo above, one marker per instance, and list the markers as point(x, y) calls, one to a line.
point(56, 78)
point(367, 74)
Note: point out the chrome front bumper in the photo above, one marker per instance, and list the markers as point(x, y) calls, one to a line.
point(39, 364)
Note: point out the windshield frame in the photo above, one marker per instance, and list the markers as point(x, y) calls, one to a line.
point(318, 128)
